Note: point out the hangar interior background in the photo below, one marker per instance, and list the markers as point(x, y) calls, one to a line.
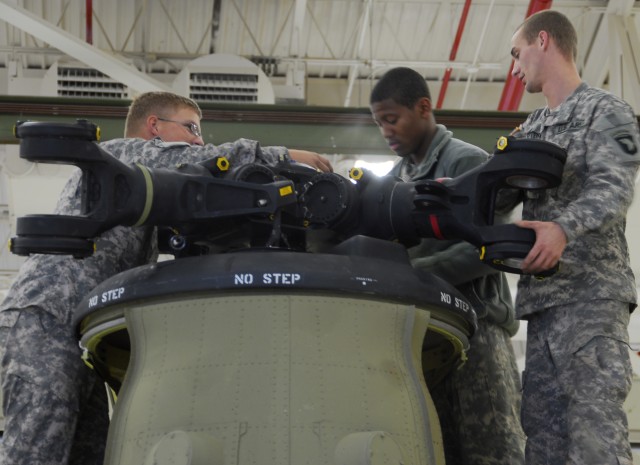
point(292, 72)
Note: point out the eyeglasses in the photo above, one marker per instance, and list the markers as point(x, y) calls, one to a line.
point(192, 127)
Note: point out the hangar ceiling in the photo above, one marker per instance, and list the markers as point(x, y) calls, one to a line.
point(463, 41)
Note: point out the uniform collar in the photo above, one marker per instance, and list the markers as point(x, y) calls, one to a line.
point(441, 137)
point(564, 112)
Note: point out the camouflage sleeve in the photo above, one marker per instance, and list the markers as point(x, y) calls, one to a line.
point(272, 155)
point(612, 159)
point(158, 154)
point(244, 151)
point(69, 200)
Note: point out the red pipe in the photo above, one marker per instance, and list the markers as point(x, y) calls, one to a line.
point(513, 88)
point(454, 52)
point(89, 21)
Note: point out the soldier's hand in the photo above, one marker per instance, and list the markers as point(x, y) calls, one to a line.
point(547, 250)
point(313, 159)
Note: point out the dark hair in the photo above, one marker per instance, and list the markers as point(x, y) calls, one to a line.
point(402, 85)
point(557, 26)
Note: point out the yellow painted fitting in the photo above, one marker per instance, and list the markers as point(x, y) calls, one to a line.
point(483, 251)
point(222, 164)
point(98, 133)
point(355, 173)
point(286, 190)
point(502, 143)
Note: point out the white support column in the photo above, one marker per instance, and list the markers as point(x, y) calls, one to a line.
point(78, 49)
point(633, 43)
point(624, 59)
point(299, 15)
point(473, 68)
point(353, 70)
point(296, 71)
point(606, 55)
point(596, 67)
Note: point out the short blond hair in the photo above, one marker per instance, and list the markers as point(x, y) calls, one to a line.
point(163, 104)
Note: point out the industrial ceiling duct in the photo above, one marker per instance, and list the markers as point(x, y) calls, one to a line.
point(223, 78)
point(74, 79)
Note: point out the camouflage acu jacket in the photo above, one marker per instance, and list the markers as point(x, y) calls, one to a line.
point(57, 283)
point(600, 133)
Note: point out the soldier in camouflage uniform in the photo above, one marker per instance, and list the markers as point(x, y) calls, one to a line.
point(478, 404)
point(55, 407)
point(578, 371)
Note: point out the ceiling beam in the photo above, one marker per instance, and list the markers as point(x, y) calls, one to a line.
point(454, 52)
point(620, 7)
point(624, 59)
point(81, 51)
point(596, 68)
point(473, 69)
point(297, 36)
point(296, 71)
point(89, 21)
point(353, 70)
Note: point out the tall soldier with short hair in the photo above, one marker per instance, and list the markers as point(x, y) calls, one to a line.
point(578, 371)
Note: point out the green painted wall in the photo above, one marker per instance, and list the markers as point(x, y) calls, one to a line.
point(321, 129)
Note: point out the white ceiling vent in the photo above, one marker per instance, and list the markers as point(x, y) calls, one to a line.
point(78, 80)
point(222, 78)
